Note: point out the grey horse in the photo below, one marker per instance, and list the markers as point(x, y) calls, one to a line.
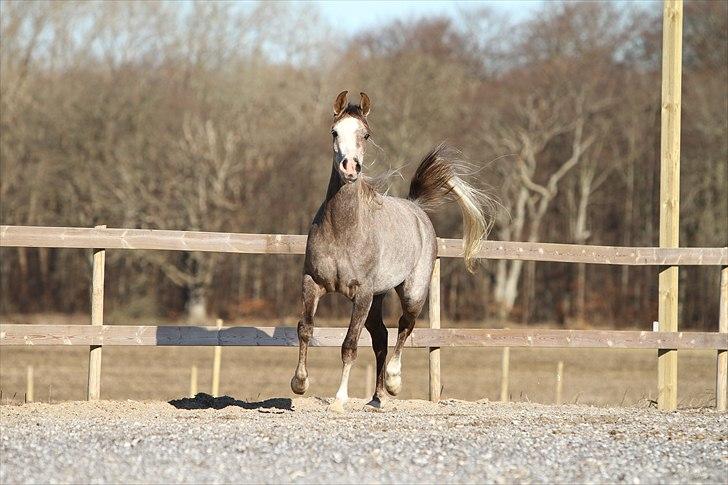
point(362, 244)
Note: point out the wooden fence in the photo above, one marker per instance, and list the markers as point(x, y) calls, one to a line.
point(98, 334)
point(668, 256)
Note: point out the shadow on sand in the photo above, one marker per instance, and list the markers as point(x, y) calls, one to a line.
point(206, 401)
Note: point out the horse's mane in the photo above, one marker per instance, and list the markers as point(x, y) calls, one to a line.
point(371, 186)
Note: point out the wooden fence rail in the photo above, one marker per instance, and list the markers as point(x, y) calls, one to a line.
point(100, 334)
point(189, 335)
point(91, 238)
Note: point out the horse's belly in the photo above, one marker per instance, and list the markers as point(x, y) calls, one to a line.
point(384, 284)
point(393, 268)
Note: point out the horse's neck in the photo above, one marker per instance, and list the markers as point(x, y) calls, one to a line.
point(345, 205)
point(335, 184)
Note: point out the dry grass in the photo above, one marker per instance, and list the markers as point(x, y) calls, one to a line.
point(598, 376)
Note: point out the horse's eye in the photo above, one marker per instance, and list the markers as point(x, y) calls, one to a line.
point(366, 137)
point(333, 132)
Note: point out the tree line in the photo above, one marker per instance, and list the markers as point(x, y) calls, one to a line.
point(216, 117)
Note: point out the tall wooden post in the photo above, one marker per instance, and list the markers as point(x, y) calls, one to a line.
point(721, 374)
point(435, 323)
point(97, 318)
point(669, 195)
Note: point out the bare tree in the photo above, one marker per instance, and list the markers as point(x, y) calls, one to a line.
point(216, 117)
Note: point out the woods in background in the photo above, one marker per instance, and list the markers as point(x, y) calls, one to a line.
point(152, 115)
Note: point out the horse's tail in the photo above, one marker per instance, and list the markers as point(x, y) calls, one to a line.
point(440, 178)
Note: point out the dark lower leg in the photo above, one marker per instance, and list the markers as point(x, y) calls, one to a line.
point(378, 331)
point(379, 343)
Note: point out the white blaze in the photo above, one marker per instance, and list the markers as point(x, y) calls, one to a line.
point(345, 144)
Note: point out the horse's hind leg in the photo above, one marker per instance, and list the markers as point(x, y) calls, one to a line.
point(378, 331)
point(311, 292)
point(412, 297)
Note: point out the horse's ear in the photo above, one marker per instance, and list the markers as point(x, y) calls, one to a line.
point(340, 103)
point(366, 104)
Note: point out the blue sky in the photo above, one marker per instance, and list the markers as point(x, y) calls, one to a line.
point(360, 14)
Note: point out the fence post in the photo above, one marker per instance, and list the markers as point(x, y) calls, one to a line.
point(369, 383)
point(193, 381)
point(97, 318)
point(217, 357)
point(505, 369)
point(721, 373)
point(435, 323)
point(559, 382)
point(669, 195)
point(29, 384)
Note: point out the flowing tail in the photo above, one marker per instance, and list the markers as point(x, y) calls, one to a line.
point(439, 179)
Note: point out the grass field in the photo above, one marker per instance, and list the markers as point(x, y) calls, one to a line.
point(591, 376)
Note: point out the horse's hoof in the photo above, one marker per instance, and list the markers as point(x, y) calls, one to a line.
point(375, 405)
point(336, 407)
point(299, 386)
point(393, 383)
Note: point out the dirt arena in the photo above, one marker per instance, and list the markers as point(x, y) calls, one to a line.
point(147, 430)
point(223, 440)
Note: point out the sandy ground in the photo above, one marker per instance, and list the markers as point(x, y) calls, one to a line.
point(223, 440)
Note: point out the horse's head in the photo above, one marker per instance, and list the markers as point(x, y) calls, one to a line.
point(350, 133)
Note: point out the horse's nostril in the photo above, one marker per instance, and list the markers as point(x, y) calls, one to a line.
point(358, 167)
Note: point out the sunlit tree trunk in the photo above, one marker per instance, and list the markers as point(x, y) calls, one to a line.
point(197, 304)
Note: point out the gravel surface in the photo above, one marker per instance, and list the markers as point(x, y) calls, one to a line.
point(282, 440)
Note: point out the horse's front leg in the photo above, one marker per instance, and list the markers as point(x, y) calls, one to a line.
point(362, 304)
point(311, 292)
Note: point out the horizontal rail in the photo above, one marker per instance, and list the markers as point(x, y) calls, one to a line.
point(168, 335)
point(91, 238)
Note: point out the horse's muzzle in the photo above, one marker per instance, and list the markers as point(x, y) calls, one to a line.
point(350, 169)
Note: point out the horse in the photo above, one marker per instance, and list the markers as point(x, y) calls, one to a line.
point(362, 244)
